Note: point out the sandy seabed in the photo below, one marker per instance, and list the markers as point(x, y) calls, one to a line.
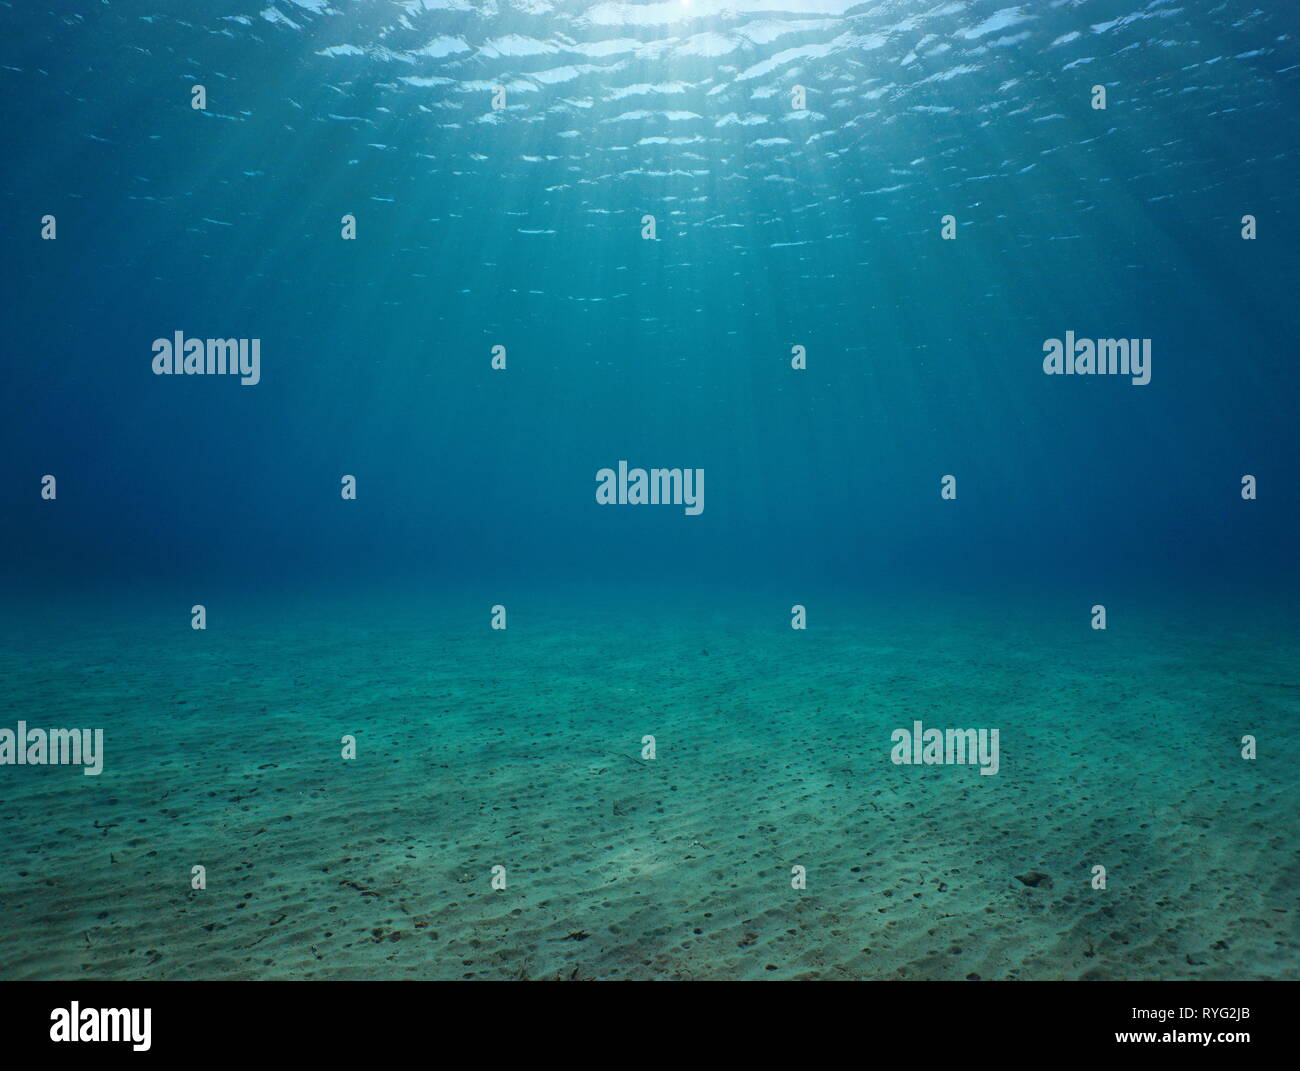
point(522, 749)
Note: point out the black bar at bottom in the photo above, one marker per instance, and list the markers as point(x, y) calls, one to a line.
point(612, 1022)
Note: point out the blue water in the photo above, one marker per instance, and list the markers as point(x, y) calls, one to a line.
point(775, 227)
